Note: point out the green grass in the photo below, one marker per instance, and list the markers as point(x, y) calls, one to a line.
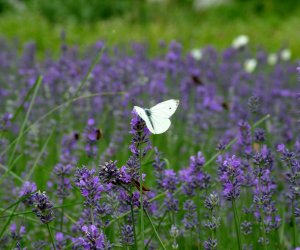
point(215, 27)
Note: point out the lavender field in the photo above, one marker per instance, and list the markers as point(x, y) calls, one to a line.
point(81, 170)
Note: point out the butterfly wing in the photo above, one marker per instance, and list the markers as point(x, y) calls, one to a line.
point(142, 113)
point(160, 124)
point(165, 109)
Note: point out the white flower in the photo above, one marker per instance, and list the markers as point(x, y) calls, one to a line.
point(240, 41)
point(272, 59)
point(206, 4)
point(250, 65)
point(285, 54)
point(196, 54)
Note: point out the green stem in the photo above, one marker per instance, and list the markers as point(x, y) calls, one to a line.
point(6, 210)
point(141, 197)
point(62, 215)
point(9, 220)
point(295, 240)
point(92, 215)
point(159, 223)
point(212, 231)
point(262, 219)
point(12, 246)
point(51, 236)
point(133, 225)
point(36, 88)
point(154, 229)
point(237, 225)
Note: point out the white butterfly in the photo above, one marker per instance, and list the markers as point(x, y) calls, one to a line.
point(157, 117)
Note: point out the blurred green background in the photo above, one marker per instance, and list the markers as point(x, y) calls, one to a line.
point(196, 23)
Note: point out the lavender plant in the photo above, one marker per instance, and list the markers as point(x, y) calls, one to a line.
point(224, 176)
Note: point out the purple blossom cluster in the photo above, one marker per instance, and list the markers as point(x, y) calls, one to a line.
point(226, 175)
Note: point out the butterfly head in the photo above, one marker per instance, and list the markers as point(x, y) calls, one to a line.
point(148, 112)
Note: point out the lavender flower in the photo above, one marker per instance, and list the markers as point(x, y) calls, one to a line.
point(194, 177)
point(245, 136)
point(190, 219)
point(43, 207)
point(259, 135)
point(109, 173)
point(231, 177)
point(89, 185)
point(63, 182)
point(159, 166)
point(5, 122)
point(17, 233)
point(93, 239)
point(26, 192)
point(171, 202)
point(68, 148)
point(127, 235)
point(254, 104)
point(174, 233)
point(170, 180)
point(140, 137)
point(60, 241)
point(246, 227)
point(210, 244)
point(264, 187)
point(91, 135)
point(212, 202)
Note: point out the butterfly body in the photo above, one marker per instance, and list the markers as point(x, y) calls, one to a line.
point(157, 118)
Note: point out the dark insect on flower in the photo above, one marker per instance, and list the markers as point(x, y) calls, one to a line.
point(99, 134)
point(138, 185)
point(91, 135)
point(225, 105)
point(76, 136)
point(256, 147)
point(196, 80)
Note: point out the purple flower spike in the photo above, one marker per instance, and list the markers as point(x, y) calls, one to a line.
point(89, 185)
point(231, 176)
point(43, 207)
point(93, 239)
point(127, 235)
point(27, 189)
